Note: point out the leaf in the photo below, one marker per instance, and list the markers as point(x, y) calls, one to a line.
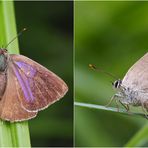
point(112, 109)
point(11, 134)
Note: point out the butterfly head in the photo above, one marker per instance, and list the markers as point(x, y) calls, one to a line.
point(3, 59)
point(4, 56)
point(117, 84)
point(3, 51)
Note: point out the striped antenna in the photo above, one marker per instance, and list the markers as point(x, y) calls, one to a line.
point(101, 70)
point(24, 29)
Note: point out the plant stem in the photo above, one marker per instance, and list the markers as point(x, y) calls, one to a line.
point(139, 138)
point(11, 134)
point(112, 109)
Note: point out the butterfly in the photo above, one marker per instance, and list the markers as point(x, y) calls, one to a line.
point(26, 87)
point(133, 89)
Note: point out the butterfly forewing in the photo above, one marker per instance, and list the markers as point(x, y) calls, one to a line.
point(137, 76)
point(37, 86)
point(10, 105)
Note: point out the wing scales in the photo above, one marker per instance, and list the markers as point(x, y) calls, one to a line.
point(45, 86)
point(10, 105)
point(137, 76)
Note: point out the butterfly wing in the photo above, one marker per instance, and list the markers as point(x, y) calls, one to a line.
point(10, 105)
point(39, 86)
point(137, 76)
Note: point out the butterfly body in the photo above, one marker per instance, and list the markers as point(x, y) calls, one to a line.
point(133, 89)
point(26, 87)
point(128, 96)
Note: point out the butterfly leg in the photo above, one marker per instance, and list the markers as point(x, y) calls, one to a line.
point(111, 100)
point(145, 112)
point(128, 109)
point(114, 97)
point(117, 105)
point(125, 106)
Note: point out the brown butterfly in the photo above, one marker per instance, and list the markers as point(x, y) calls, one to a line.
point(26, 87)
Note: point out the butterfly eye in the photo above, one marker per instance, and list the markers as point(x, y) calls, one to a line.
point(117, 83)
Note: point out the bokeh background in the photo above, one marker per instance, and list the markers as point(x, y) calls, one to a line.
point(111, 35)
point(49, 41)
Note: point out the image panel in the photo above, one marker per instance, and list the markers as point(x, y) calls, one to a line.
point(28, 88)
point(111, 36)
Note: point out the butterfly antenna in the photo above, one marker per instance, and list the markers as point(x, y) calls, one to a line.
point(101, 70)
point(24, 29)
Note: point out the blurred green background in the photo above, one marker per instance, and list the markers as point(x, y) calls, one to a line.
point(111, 35)
point(49, 41)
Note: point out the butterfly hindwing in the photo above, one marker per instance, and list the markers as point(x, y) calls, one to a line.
point(39, 86)
point(10, 105)
point(137, 74)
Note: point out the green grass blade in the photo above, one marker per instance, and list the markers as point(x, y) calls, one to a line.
point(5, 134)
point(112, 109)
point(11, 134)
point(139, 139)
point(9, 26)
point(20, 134)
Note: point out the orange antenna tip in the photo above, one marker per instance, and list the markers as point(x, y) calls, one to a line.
point(92, 66)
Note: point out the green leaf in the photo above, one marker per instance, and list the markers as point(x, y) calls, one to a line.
point(11, 134)
point(112, 109)
point(139, 139)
